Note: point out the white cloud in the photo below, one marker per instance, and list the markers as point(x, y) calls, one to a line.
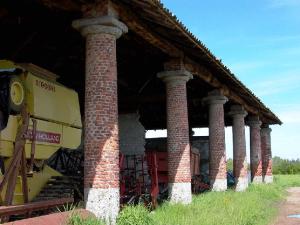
point(287, 81)
point(290, 116)
point(289, 113)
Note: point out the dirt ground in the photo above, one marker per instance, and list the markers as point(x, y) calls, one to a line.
point(291, 206)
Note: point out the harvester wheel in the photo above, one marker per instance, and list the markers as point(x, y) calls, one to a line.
point(16, 95)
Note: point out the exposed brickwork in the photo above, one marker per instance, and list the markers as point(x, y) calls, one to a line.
point(217, 157)
point(255, 149)
point(101, 165)
point(239, 146)
point(266, 151)
point(179, 172)
point(101, 137)
point(178, 133)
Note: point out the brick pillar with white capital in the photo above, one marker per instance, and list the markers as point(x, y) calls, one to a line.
point(179, 173)
point(255, 149)
point(266, 154)
point(101, 137)
point(240, 166)
point(217, 152)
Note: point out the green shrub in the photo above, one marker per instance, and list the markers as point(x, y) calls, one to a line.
point(285, 166)
point(135, 215)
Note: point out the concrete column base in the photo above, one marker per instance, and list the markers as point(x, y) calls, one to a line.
point(180, 193)
point(257, 180)
point(218, 185)
point(104, 203)
point(241, 184)
point(268, 179)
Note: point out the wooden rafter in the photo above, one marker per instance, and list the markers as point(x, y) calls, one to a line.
point(136, 25)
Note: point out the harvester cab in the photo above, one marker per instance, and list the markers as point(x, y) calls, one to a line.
point(38, 116)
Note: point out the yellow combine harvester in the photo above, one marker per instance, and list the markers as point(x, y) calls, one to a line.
point(38, 116)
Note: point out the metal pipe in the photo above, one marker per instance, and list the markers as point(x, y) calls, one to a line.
point(33, 206)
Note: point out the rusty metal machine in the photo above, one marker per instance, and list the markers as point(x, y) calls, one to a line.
point(144, 177)
point(38, 117)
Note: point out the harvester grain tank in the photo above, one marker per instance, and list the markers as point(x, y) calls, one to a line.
point(38, 116)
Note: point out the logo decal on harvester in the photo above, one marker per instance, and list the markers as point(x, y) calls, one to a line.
point(45, 85)
point(42, 136)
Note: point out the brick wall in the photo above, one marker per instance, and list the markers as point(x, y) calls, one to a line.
point(266, 152)
point(255, 151)
point(217, 163)
point(101, 114)
point(178, 133)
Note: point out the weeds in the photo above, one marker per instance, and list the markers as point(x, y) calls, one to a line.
point(256, 206)
point(135, 215)
point(76, 219)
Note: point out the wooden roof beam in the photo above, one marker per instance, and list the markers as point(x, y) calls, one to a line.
point(135, 24)
point(138, 26)
point(208, 77)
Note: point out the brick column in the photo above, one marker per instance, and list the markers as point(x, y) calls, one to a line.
point(255, 149)
point(179, 172)
point(217, 152)
point(101, 138)
point(240, 169)
point(266, 154)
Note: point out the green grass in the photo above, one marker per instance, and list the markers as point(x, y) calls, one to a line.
point(257, 206)
point(135, 215)
point(76, 219)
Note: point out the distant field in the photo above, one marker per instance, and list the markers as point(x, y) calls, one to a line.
point(256, 206)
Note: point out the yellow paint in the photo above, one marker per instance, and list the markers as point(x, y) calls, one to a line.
point(9, 133)
point(35, 184)
point(71, 137)
point(57, 112)
point(6, 64)
point(17, 93)
point(51, 101)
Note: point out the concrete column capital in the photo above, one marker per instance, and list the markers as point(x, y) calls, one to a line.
point(237, 111)
point(254, 122)
point(215, 97)
point(103, 24)
point(265, 131)
point(175, 76)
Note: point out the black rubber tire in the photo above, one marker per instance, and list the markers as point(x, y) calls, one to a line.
point(16, 107)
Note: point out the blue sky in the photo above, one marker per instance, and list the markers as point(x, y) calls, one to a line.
point(259, 40)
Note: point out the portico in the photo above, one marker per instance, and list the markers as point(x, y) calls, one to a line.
point(134, 58)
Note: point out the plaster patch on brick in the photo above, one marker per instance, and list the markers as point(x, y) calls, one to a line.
point(241, 184)
point(257, 179)
point(268, 179)
point(180, 193)
point(219, 185)
point(104, 203)
point(132, 134)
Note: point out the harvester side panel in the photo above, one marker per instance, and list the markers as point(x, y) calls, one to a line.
point(52, 101)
